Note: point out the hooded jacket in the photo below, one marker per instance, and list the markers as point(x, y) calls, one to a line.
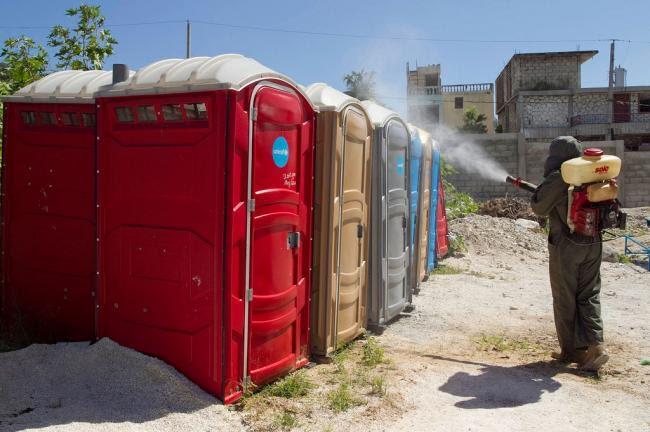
point(551, 197)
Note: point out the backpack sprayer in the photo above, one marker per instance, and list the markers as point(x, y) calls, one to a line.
point(593, 192)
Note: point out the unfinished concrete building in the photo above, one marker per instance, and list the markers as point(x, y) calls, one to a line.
point(540, 95)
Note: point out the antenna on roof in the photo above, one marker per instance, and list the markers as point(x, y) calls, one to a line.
point(188, 38)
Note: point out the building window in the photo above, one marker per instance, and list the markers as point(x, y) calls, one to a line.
point(458, 103)
point(89, 119)
point(70, 119)
point(196, 111)
point(29, 117)
point(172, 112)
point(644, 103)
point(146, 114)
point(47, 118)
point(430, 80)
point(124, 114)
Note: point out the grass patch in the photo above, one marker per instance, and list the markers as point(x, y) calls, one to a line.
point(378, 386)
point(372, 354)
point(292, 386)
point(447, 270)
point(624, 259)
point(503, 344)
point(341, 398)
point(456, 245)
point(285, 421)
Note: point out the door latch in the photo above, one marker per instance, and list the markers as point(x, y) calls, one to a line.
point(404, 222)
point(293, 240)
point(359, 231)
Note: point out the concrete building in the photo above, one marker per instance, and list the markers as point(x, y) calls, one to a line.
point(430, 103)
point(540, 96)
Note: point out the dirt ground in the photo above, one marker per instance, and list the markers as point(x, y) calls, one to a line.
point(472, 356)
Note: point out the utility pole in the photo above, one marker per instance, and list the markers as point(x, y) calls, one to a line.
point(188, 39)
point(610, 90)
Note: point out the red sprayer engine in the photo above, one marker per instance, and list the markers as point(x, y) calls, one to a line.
point(593, 193)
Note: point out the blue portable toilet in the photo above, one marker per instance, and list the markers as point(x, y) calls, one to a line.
point(435, 182)
point(414, 197)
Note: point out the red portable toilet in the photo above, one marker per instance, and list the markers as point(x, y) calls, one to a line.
point(205, 219)
point(48, 208)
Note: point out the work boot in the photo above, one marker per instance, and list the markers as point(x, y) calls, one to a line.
point(595, 358)
point(569, 357)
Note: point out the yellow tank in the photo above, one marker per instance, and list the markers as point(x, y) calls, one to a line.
point(593, 166)
point(603, 191)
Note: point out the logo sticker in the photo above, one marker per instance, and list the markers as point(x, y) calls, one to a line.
point(400, 165)
point(280, 152)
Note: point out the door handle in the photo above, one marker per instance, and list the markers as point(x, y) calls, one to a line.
point(359, 231)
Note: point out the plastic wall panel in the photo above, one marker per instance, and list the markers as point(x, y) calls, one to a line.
point(161, 194)
point(49, 224)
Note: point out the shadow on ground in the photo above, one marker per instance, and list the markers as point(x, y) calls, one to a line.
point(503, 387)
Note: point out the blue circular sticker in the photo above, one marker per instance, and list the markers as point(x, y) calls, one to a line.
point(280, 152)
point(400, 165)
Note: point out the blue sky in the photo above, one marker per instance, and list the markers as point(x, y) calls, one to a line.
point(310, 59)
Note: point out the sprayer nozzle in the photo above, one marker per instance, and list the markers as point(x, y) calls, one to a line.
point(519, 183)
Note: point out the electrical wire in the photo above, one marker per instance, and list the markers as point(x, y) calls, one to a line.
point(342, 35)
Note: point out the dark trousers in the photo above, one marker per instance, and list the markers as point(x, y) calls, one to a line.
point(574, 271)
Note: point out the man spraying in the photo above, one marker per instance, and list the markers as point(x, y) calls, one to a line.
point(574, 265)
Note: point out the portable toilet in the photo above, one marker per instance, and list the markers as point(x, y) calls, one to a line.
point(341, 219)
point(424, 208)
point(49, 245)
point(205, 219)
point(390, 291)
point(437, 213)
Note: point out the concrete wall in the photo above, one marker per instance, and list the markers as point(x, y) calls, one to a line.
point(546, 111)
point(483, 102)
point(547, 73)
point(525, 159)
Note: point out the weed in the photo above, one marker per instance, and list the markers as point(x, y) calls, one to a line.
point(285, 421)
point(341, 398)
point(372, 354)
point(622, 258)
point(457, 244)
point(378, 386)
point(447, 270)
point(295, 385)
point(501, 344)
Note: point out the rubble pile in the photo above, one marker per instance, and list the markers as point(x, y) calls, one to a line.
point(512, 208)
point(487, 235)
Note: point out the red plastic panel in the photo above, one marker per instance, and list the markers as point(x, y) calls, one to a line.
point(161, 189)
point(280, 233)
point(49, 214)
point(442, 242)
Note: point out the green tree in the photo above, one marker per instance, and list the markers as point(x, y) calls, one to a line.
point(473, 122)
point(86, 46)
point(361, 84)
point(22, 62)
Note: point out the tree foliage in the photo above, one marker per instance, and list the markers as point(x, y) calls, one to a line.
point(361, 84)
point(23, 62)
point(473, 122)
point(86, 46)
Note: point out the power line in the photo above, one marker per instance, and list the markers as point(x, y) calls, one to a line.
point(342, 35)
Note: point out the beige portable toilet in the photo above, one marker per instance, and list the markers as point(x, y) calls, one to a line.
point(422, 229)
point(341, 218)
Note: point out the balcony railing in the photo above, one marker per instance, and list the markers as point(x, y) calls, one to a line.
point(468, 88)
point(424, 91)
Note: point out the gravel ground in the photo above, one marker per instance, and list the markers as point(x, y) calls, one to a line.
point(472, 356)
